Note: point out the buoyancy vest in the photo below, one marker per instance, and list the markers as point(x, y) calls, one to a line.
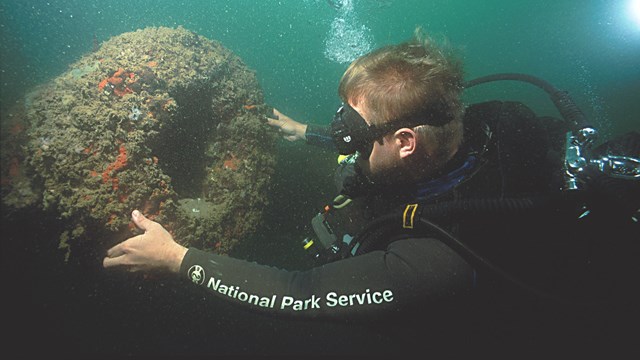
point(508, 152)
point(511, 159)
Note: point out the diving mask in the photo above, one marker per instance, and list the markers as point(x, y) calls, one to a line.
point(351, 133)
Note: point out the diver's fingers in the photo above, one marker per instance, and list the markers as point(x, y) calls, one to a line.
point(122, 253)
point(121, 261)
point(116, 251)
point(141, 221)
point(109, 262)
point(275, 115)
point(275, 122)
point(118, 256)
point(121, 249)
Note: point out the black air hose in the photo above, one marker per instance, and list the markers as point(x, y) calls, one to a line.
point(455, 208)
point(561, 99)
point(459, 247)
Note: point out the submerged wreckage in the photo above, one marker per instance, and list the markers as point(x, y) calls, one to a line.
point(162, 120)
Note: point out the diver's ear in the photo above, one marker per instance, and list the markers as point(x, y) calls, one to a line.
point(406, 139)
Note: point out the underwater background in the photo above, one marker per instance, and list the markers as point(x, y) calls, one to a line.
point(298, 49)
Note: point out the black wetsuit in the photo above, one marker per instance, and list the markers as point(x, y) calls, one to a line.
point(418, 271)
point(413, 270)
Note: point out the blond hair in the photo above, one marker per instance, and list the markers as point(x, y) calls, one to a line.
point(417, 79)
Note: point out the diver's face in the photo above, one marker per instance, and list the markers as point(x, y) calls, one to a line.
point(382, 163)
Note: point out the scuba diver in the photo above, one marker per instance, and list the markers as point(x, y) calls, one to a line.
point(437, 205)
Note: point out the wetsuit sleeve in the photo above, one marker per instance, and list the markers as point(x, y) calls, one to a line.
point(319, 136)
point(408, 272)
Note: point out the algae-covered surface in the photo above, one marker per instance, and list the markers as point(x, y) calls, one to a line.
point(160, 119)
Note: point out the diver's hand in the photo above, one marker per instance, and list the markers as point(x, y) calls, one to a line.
point(153, 250)
point(289, 128)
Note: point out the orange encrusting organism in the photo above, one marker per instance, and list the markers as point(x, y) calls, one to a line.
point(231, 162)
point(118, 84)
point(103, 83)
point(121, 162)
